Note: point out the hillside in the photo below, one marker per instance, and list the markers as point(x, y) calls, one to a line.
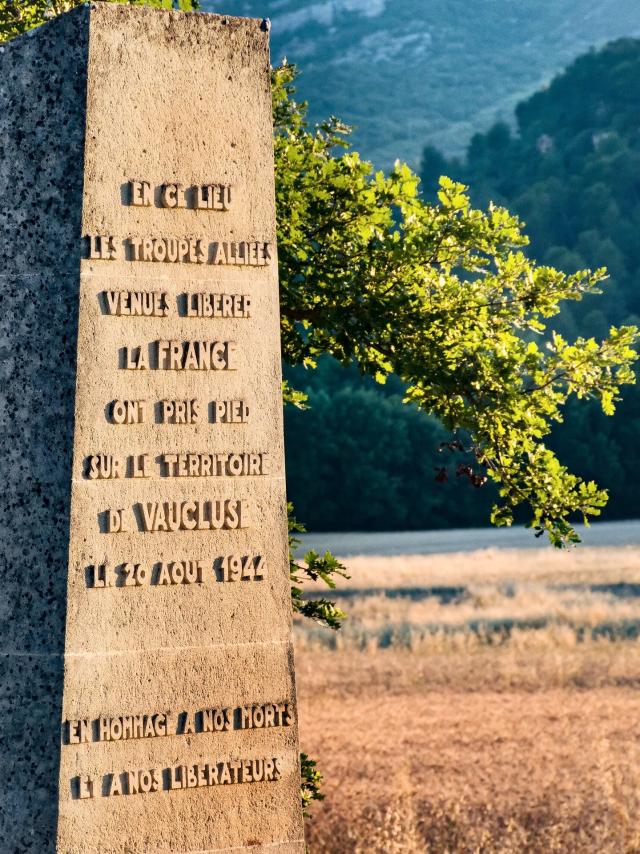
point(572, 172)
point(409, 73)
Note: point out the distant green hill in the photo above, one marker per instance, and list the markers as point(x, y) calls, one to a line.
point(571, 170)
point(572, 173)
point(408, 72)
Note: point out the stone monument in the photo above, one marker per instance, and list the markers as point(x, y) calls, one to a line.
point(148, 697)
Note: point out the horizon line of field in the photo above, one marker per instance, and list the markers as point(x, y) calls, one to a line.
point(458, 540)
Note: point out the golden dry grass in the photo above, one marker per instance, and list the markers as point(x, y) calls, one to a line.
point(577, 566)
point(501, 720)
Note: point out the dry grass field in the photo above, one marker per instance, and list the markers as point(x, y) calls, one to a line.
point(480, 702)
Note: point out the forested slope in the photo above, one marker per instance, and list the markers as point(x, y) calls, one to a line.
point(409, 72)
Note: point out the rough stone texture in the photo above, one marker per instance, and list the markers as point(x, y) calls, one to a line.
point(168, 98)
point(42, 121)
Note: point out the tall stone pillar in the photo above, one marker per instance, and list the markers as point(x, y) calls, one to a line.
point(147, 688)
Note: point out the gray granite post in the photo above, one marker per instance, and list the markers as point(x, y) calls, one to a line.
point(43, 81)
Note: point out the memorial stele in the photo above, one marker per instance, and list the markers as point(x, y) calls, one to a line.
point(148, 696)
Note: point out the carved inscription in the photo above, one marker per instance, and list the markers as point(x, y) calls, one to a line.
point(181, 250)
point(211, 515)
point(228, 568)
point(193, 515)
point(192, 250)
point(217, 305)
point(165, 724)
point(162, 724)
point(201, 197)
point(136, 303)
point(179, 414)
point(128, 411)
point(127, 303)
point(102, 247)
point(190, 776)
point(230, 412)
point(214, 465)
point(181, 356)
point(110, 467)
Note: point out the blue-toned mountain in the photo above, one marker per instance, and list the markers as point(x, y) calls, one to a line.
point(410, 72)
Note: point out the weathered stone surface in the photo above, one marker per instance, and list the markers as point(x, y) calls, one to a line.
point(174, 725)
point(42, 121)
